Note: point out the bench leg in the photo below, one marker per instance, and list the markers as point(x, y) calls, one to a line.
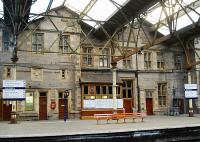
point(97, 121)
point(124, 120)
point(107, 121)
point(133, 120)
point(142, 119)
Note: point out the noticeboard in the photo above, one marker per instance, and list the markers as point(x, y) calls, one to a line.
point(191, 91)
point(14, 89)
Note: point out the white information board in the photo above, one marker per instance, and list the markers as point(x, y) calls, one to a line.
point(14, 89)
point(191, 91)
point(14, 83)
point(102, 103)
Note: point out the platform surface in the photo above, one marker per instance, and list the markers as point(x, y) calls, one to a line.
point(74, 127)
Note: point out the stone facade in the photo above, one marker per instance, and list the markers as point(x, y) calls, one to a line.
point(50, 70)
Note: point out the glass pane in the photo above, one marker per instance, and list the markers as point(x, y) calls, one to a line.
point(29, 101)
point(124, 93)
point(104, 89)
point(97, 89)
point(129, 94)
point(110, 89)
point(129, 84)
point(85, 89)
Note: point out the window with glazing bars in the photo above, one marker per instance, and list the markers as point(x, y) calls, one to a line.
point(147, 60)
point(87, 57)
point(127, 62)
point(103, 59)
point(5, 40)
point(177, 62)
point(160, 60)
point(38, 42)
point(162, 94)
point(64, 45)
point(127, 88)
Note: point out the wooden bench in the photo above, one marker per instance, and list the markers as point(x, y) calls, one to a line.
point(118, 116)
point(102, 116)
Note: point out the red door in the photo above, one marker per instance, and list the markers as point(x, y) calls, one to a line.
point(7, 108)
point(43, 107)
point(62, 108)
point(149, 106)
point(127, 104)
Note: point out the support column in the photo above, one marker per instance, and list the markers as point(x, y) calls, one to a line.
point(191, 114)
point(114, 73)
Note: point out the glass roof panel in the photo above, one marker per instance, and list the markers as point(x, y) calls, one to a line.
point(158, 14)
point(103, 10)
point(182, 21)
point(76, 5)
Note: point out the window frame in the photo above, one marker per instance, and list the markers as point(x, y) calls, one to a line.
point(127, 62)
point(126, 88)
point(162, 94)
point(87, 59)
point(104, 57)
point(178, 61)
point(160, 60)
point(62, 45)
point(5, 41)
point(32, 101)
point(147, 60)
point(35, 42)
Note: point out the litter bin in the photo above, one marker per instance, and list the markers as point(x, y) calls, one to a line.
point(13, 119)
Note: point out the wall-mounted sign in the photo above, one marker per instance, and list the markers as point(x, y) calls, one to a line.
point(191, 91)
point(14, 89)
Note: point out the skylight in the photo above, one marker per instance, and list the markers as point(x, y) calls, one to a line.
point(102, 10)
point(158, 14)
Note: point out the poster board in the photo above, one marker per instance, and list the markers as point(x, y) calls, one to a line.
point(102, 103)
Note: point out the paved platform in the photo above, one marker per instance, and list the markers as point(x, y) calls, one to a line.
point(74, 127)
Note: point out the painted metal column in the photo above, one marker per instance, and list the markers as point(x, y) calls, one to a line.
point(114, 85)
point(191, 114)
point(114, 90)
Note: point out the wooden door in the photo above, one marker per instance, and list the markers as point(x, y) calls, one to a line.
point(127, 104)
point(149, 106)
point(43, 107)
point(7, 109)
point(62, 108)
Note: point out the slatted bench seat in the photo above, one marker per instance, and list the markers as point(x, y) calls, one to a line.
point(118, 116)
point(102, 116)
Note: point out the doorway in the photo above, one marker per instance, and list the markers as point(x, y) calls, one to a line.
point(43, 106)
point(62, 106)
point(7, 109)
point(127, 104)
point(149, 106)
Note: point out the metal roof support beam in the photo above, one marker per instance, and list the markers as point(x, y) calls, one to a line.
point(87, 8)
point(179, 13)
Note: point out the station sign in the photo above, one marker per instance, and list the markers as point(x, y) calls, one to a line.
point(14, 89)
point(191, 91)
